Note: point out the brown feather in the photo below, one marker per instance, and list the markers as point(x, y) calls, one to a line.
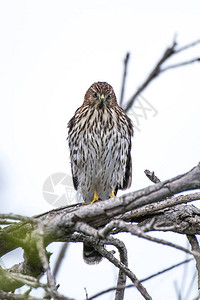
point(100, 144)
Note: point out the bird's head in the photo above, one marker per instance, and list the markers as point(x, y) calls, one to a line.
point(100, 94)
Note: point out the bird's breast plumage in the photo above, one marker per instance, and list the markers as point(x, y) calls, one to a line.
point(99, 141)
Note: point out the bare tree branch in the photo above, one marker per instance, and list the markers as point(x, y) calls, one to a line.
point(152, 176)
point(190, 286)
point(142, 280)
point(190, 45)
point(59, 223)
point(62, 224)
point(126, 60)
point(45, 262)
point(195, 246)
point(85, 228)
point(8, 280)
point(181, 64)
point(126, 270)
point(121, 276)
point(157, 70)
point(134, 229)
point(149, 209)
point(18, 218)
point(86, 294)
point(60, 258)
point(13, 296)
point(125, 227)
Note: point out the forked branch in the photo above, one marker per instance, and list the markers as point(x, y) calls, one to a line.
point(159, 68)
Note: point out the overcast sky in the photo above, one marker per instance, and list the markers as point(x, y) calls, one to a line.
point(50, 54)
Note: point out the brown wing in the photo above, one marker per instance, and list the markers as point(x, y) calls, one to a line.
point(71, 125)
point(128, 169)
point(128, 172)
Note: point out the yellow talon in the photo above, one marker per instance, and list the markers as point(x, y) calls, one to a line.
point(95, 198)
point(112, 194)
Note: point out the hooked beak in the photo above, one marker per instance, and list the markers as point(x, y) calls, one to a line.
point(102, 98)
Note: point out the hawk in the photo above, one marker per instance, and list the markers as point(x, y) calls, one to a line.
point(99, 140)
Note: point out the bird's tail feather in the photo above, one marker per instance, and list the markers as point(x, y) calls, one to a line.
point(90, 255)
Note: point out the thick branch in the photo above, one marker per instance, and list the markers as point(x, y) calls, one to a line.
point(160, 207)
point(61, 222)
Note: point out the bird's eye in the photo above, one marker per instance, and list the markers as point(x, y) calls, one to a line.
point(95, 95)
point(109, 96)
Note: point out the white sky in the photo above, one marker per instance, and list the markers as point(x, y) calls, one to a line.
point(51, 52)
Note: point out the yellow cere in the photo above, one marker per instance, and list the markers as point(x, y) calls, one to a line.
point(102, 96)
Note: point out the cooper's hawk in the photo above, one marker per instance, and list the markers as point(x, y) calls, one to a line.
point(100, 149)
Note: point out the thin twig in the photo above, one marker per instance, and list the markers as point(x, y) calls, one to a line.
point(153, 74)
point(184, 272)
point(142, 280)
point(134, 229)
point(60, 258)
point(119, 295)
point(86, 293)
point(45, 263)
point(5, 222)
point(12, 296)
point(51, 289)
point(177, 291)
point(124, 77)
point(18, 218)
point(195, 247)
point(152, 176)
point(190, 286)
point(126, 270)
point(183, 48)
point(89, 230)
point(21, 278)
point(181, 64)
point(127, 227)
point(157, 70)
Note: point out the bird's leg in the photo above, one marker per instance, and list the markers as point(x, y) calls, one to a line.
point(112, 193)
point(95, 198)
